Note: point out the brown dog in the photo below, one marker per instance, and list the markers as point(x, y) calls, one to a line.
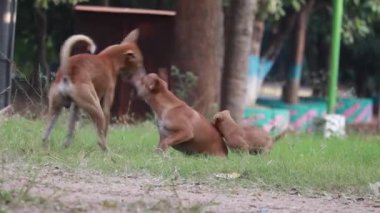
point(88, 81)
point(245, 138)
point(178, 124)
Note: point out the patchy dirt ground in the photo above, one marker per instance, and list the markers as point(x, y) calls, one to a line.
point(52, 189)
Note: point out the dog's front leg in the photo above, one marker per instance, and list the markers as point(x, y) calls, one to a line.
point(74, 113)
point(175, 137)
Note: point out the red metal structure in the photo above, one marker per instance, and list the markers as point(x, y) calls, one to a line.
point(109, 25)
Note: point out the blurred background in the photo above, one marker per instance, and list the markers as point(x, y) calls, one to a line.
point(215, 54)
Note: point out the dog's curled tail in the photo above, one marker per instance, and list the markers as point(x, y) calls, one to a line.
point(67, 48)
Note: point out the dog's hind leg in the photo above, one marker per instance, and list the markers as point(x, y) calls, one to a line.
point(74, 112)
point(53, 116)
point(87, 99)
point(176, 137)
point(107, 103)
point(56, 102)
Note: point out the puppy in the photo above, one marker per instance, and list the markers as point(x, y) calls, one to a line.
point(178, 124)
point(88, 81)
point(244, 138)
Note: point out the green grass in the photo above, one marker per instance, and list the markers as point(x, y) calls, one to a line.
point(305, 162)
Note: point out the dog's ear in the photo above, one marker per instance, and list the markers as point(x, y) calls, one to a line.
point(213, 121)
point(132, 36)
point(130, 55)
point(226, 111)
point(215, 118)
point(153, 84)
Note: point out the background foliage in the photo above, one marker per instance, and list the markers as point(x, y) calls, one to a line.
point(360, 34)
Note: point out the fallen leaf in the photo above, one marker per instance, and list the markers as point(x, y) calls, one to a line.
point(228, 176)
point(109, 204)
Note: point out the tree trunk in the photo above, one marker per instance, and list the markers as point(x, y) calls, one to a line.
point(257, 37)
point(254, 69)
point(7, 35)
point(237, 50)
point(260, 65)
point(41, 64)
point(199, 49)
point(290, 91)
point(320, 72)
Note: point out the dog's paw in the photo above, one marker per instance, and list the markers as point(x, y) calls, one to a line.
point(66, 144)
point(103, 147)
point(162, 153)
point(45, 143)
point(158, 150)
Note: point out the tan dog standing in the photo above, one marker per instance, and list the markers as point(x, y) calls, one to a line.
point(178, 124)
point(88, 81)
point(245, 138)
